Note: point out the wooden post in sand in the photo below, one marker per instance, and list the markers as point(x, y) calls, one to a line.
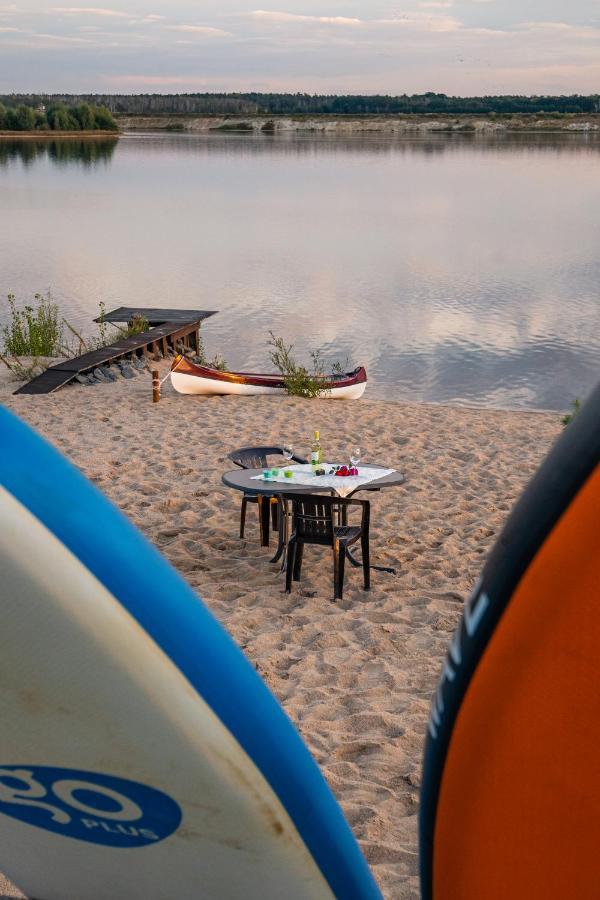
point(155, 386)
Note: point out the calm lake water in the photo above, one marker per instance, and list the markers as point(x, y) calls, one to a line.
point(459, 270)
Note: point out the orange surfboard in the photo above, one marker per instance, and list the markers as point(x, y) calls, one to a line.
point(510, 803)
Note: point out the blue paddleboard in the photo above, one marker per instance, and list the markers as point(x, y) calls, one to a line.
point(141, 756)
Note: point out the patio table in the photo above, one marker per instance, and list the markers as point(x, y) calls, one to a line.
point(246, 480)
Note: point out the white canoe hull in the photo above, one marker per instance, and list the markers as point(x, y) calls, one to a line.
point(197, 384)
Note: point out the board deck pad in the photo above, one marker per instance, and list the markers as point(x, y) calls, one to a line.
point(510, 802)
point(141, 756)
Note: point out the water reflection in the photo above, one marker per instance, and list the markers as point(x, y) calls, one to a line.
point(86, 152)
point(374, 143)
point(457, 268)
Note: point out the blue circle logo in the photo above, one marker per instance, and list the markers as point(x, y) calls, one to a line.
point(88, 806)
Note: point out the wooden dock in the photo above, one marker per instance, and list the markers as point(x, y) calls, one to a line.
point(170, 327)
point(154, 315)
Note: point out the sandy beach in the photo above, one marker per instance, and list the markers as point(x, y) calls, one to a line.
point(356, 676)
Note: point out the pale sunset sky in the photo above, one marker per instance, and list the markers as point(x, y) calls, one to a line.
point(464, 47)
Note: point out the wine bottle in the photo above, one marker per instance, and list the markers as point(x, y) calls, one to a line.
point(316, 453)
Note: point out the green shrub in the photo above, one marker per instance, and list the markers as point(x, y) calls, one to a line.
point(298, 380)
point(103, 119)
point(59, 118)
point(136, 325)
point(24, 118)
point(575, 407)
point(84, 114)
point(35, 330)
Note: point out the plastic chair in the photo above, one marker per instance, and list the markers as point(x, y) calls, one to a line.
point(321, 520)
point(258, 458)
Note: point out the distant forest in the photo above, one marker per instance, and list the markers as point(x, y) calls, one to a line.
point(32, 114)
point(314, 104)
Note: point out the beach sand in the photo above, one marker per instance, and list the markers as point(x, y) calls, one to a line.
point(355, 677)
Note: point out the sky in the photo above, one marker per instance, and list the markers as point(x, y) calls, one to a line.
point(459, 47)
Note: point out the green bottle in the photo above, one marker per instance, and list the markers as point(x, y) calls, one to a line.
point(316, 453)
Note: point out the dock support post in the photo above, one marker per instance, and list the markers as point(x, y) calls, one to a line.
point(155, 386)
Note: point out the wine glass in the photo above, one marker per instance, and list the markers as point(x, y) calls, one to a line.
point(355, 457)
point(287, 451)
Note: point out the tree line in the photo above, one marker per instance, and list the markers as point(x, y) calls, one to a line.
point(58, 116)
point(256, 104)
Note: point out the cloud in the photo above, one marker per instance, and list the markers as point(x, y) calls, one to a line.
point(283, 17)
point(560, 29)
point(425, 21)
point(422, 21)
point(149, 80)
point(90, 11)
point(61, 38)
point(205, 30)
point(41, 41)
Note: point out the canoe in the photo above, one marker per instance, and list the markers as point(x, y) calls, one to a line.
point(189, 378)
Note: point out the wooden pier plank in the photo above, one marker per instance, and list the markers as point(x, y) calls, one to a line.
point(49, 381)
point(155, 315)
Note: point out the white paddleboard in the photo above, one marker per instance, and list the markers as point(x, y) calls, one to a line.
point(141, 756)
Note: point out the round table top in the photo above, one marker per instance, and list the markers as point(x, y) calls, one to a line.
point(245, 480)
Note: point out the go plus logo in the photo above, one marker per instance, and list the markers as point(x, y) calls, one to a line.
point(87, 806)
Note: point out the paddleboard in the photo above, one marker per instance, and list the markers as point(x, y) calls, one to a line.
point(141, 756)
point(510, 802)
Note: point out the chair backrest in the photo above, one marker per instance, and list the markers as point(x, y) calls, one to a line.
point(257, 457)
point(312, 517)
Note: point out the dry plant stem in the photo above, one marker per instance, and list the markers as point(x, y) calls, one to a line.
point(20, 371)
point(82, 343)
point(6, 363)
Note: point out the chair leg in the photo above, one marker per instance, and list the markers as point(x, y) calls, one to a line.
point(366, 560)
point(243, 517)
point(264, 505)
point(275, 516)
point(298, 554)
point(339, 558)
point(291, 559)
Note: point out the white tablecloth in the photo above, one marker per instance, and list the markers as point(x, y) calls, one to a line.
point(342, 485)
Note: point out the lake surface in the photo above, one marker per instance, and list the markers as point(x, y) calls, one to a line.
point(456, 269)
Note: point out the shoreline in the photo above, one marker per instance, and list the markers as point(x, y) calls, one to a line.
point(7, 379)
point(401, 124)
point(58, 135)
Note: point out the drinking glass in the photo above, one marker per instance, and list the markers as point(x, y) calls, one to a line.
point(355, 457)
point(287, 451)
